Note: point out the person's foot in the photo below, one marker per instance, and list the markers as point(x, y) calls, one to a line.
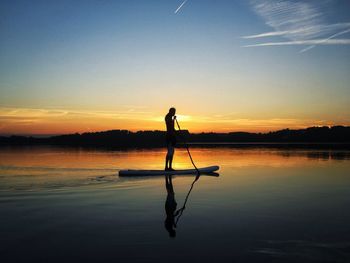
point(171, 169)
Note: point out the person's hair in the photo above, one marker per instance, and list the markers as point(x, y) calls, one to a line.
point(172, 233)
point(172, 109)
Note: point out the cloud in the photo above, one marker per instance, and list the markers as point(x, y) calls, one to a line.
point(300, 22)
point(36, 114)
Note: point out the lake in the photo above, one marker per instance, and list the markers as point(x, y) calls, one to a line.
point(266, 205)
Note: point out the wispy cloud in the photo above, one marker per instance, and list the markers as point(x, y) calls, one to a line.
point(35, 114)
point(180, 6)
point(15, 120)
point(300, 22)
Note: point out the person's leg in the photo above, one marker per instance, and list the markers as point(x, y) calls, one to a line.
point(171, 163)
point(171, 156)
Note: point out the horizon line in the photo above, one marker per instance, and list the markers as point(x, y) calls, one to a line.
point(135, 131)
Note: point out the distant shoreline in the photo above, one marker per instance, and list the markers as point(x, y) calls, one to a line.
point(336, 136)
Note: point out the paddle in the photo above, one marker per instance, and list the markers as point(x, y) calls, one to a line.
point(180, 211)
point(187, 148)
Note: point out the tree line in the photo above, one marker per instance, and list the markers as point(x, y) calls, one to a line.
point(125, 138)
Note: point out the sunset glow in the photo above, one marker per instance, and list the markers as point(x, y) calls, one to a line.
point(72, 67)
point(55, 121)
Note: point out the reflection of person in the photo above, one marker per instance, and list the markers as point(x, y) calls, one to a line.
point(170, 138)
point(170, 207)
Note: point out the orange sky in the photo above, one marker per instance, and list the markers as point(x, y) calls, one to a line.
point(56, 121)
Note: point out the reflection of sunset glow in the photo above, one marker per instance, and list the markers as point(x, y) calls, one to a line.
point(42, 166)
point(152, 159)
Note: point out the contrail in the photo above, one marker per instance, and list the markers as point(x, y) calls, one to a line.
point(303, 31)
point(305, 42)
point(178, 9)
point(325, 40)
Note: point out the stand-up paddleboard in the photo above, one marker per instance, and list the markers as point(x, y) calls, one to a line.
point(204, 170)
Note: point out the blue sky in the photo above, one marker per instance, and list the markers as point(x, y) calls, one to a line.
point(252, 65)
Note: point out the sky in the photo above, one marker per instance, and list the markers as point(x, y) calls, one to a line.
point(225, 65)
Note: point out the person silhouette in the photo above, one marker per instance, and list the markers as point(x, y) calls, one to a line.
point(170, 207)
point(170, 139)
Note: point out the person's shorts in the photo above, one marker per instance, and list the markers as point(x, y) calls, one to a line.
point(170, 139)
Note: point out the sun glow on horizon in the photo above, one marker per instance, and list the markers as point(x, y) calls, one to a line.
point(28, 121)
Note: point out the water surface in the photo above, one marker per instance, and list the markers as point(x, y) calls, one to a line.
point(267, 205)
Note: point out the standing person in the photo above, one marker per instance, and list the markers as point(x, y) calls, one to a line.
point(170, 138)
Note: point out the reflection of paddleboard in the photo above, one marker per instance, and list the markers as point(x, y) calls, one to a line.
point(204, 170)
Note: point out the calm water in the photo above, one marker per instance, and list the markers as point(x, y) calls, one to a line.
point(69, 205)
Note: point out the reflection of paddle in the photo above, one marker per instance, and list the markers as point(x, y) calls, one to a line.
point(180, 211)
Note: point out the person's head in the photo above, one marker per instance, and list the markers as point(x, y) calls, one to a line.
point(172, 111)
point(172, 233)
point(169, 226)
